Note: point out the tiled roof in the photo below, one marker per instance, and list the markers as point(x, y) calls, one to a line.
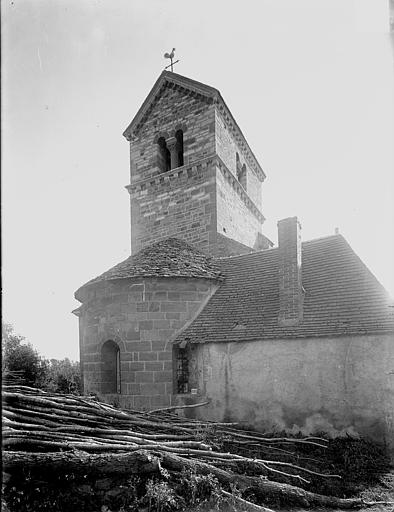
point(342, 297)
point(168, 258)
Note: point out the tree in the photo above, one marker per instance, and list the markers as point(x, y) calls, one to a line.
point(22, 362)
point(63, 376)
point(21, 359)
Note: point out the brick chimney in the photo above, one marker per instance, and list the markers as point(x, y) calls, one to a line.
point(291, 292)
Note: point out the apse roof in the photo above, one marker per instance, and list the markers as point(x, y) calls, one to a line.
point(168, 258)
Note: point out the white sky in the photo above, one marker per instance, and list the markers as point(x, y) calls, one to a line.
point(310, 83)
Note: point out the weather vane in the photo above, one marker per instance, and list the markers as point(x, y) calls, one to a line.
point(170, 56)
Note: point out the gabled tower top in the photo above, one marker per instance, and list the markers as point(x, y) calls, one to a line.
point(192, 174)
point(209, 94)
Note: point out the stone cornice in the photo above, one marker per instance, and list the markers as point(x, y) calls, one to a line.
point(140, 185)
point(202, 165)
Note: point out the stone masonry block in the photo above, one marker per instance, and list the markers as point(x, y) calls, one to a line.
point(173, 306)
point(162, 324)
point(133, 334)
point(174, 296)
point(133, 346)
point(188, 286)
point(124, 366)
point(172, 316)
point(137, 367)
point(157, 315)
point(147, 335)
point(146, 325)
point(147, 356)
point(165, 355)
point(159, 345)
point(142, 306)
point(144, 376)
point(154, 366)
point(163, 376)
point(128, 376)
point(157, 388)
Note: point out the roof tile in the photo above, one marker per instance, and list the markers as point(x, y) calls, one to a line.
point(168, 258)
point(342, 297)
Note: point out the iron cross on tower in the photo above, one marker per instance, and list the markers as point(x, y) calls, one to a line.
point(170, 56)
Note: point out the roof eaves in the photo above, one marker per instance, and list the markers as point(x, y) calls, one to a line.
point(283, 336)
point(155, 89)
point(171, 77)
point(258, 168)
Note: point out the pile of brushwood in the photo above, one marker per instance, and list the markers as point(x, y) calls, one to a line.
point(64, 451)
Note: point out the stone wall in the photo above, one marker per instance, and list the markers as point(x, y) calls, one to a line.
point(237, 216)
point(226, 149)
point(192, 201)
point(142, 317)
point(173, 109)
point(195, 202)
point(335, 385)
point(180, 203)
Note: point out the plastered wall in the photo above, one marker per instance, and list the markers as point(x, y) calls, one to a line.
point(335, 385)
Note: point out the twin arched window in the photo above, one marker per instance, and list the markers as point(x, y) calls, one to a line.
point(170, 152)
point(110, 368)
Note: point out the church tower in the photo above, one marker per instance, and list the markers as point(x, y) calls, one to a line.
point(192, 174)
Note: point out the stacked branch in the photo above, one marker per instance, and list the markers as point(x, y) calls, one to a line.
point(41, 429)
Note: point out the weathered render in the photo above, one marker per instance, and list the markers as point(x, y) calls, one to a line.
point(299, 337)
point(328, 365)
point(328, 384)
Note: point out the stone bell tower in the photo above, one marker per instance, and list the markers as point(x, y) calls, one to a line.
point(192, 173)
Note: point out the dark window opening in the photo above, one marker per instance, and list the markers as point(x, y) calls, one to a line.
point(241, 171)
point(242, 176)
point(182, 370)
point(110, 368)
point(179, 147)
point(164, 155)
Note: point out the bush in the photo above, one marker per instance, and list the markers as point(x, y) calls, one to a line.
point(24, 365)
point(160, 496)
point(63, 376)
point(21, 359)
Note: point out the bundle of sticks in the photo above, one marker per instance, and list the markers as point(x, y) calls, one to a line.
point(41, 428)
